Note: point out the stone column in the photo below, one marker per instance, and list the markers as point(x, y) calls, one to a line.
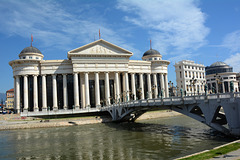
point(76, 91)
point(25, 93)
point(107, 91)
point(141, 85)
point(120, 91)
point(82, 85)
point(134, 95)
point(14, 100)
point(97, 91)
point(166, 86)
point(229, 89)
point(87, 101)
point(35, 93)
point(223, 87)
point(126, 87)
point(44, 93)
point(216, 87)
point(65, 94)
point(162, 85)
point(149, 86)
point(55, 100)
point(17, 103)
point(155, 85)
point(117, 86)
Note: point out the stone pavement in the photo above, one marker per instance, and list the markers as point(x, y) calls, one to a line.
point(235, 155)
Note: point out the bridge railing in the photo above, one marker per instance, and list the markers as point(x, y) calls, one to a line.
point(156, 101)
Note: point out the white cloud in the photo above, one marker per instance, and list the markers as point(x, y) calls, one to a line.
point(233, 61)
point(53, 25)
point(175, 25)
point(232, 41)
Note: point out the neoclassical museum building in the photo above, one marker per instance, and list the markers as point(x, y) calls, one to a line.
point(94, 75)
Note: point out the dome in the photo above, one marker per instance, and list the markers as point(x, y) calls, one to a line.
point(151, 52)
point(31, 53)
point(30, 50)
point(218, 64)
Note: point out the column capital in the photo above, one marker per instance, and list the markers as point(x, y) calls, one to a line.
point(64, 74)
point(35, 75)
point(43, 75)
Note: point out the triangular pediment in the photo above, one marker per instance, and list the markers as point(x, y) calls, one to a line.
point(99, 47)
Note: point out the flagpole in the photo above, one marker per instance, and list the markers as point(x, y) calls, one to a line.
point(99, 34)
point(31, 40)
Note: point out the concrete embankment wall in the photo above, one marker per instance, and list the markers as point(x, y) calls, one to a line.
point(8, 122)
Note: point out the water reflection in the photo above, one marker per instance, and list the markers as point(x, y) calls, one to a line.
point(153, 139)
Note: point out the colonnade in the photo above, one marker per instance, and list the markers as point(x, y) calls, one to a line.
point(224, 88)
point(122, 90)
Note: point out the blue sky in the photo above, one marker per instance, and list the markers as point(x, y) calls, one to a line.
point(205, 31)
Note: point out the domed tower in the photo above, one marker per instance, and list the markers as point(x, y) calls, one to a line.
point(158, 72)
point(151, 55)
point(31, 53)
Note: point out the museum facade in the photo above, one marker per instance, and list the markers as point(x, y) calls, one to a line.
point(97, 74)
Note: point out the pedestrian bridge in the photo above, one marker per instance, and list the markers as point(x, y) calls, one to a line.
point(219, 111)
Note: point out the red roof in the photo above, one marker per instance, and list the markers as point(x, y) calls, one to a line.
point(10, 90)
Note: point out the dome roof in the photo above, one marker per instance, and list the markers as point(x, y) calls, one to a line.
point(151, 52)
point(218, 64)
point(30, 50)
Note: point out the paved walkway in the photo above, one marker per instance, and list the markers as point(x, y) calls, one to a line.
point(235, 155)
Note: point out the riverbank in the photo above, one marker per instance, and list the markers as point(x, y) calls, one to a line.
point(15, 121)
point(229, 151)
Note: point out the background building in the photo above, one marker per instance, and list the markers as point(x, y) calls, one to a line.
point(10, 99)
point(190, 77)
point(219, 77)
point(94, 75)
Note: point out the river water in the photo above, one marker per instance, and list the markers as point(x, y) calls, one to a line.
point(162, 138)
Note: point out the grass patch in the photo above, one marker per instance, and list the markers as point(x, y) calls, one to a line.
point(214, 152)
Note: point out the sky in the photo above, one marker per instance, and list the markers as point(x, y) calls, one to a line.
point(204, 31)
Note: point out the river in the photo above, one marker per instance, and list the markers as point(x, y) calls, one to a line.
point(162, 138)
